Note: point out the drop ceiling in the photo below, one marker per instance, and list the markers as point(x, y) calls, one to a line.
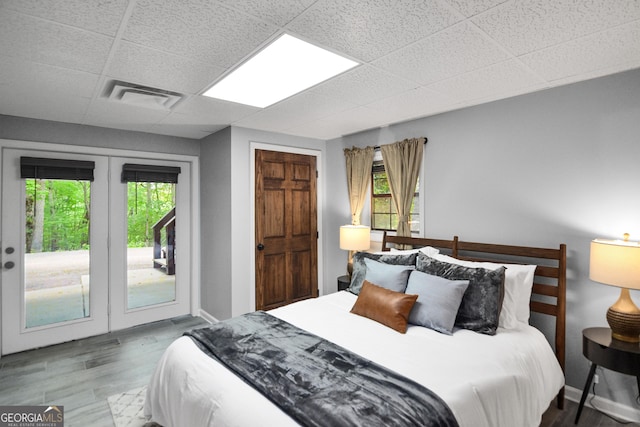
point(418, 58)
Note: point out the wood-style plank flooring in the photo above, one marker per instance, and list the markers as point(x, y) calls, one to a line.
point(81, 374)
point(589, 417)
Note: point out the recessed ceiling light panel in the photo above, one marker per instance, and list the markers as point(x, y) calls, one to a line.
point(283, 68)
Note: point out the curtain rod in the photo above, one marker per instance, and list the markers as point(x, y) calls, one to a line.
point(377, 147)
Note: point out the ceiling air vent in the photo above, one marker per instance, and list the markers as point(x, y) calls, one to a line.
point(142, 96)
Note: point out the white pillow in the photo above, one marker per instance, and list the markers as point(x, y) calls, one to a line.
point(518, 282)
point(427, 250)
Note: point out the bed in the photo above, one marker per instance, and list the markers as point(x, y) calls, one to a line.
point(505, 379)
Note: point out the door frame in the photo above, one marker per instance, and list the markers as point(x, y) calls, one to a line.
point(194, 266)
point(253, 146)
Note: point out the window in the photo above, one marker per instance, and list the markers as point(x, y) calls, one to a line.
point(383, 211)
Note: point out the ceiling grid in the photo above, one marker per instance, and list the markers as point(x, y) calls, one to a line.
point(418, 58)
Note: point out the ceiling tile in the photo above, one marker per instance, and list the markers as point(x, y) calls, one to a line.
point(139, 64)
point(527, 25)
point(185, 130)
point(315, 129)
point(41, 78)
point(369, 29)
point(355, 85)
point(489, 82)
point(605, 71)
point(101, 17)
point(620, 45)
point(207, 110)
point(412, 104)
point(122, 116)
point(46, 106)
point(473, 7)
point(199, 29)
point(279, 12)
point(296, 110)
point(453, 51)
point(349, 121)
point(34, 39)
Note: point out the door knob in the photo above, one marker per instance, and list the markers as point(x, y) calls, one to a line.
point(9, 250)
point(260, 246)
point(9, 265)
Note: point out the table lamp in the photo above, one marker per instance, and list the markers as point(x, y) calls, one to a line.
point(617, 263)
point(354, 238)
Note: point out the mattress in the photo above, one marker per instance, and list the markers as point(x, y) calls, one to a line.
point(505, 380)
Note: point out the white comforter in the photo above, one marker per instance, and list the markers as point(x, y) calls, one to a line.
point(504, 380)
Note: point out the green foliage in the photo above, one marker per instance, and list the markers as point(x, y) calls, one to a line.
point(58, 213)
point(147, 203)
point(60, 210)
point(380, 183)
point(383, 213)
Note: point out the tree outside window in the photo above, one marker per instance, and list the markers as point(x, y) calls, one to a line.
point(384, 216)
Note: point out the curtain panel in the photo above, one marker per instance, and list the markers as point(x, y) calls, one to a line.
point(402, 161)
point(359, 162)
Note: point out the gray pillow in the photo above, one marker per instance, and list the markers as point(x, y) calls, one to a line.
point(482, 301)
point(393, 277)
point(438, 301)
point(360, 269)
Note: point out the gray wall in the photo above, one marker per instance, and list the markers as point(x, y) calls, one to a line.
point(557, 166)
point(23, 129)
point(215, 219)
point(228, 263)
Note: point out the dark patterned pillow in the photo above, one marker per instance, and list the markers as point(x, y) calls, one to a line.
point(360, 269)
point(480, 307)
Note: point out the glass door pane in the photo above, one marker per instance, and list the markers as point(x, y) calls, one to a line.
point(57, 252)
point(151, 254)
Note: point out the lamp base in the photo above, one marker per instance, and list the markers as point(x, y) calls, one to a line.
point(350, 264)
point(624, 319)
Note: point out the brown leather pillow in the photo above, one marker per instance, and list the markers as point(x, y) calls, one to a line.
point(384, 306)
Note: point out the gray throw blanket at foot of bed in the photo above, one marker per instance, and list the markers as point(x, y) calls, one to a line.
point(315, 381)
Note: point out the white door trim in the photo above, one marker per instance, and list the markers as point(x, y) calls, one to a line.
point(253, 146)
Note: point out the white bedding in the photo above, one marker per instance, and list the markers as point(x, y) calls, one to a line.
point(504, 380)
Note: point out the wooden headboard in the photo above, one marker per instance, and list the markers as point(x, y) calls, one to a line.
point(550, 281)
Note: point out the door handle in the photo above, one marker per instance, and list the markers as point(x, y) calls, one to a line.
point(260, 246)
point(9, 250)
point(9, 265)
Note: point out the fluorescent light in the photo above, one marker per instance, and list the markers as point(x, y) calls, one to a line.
point(283, 68)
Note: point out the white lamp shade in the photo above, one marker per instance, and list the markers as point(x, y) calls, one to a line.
point(355, 237)
point(615, 262)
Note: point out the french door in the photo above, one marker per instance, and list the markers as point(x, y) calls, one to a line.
point(150, 235)
point(79, 252)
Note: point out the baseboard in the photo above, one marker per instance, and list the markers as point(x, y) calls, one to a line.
point(209, 318)
point(617, 410)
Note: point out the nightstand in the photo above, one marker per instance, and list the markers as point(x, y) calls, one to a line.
point(602, 350)
point(343, 282)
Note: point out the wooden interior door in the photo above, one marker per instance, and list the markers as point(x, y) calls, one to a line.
point(286, 228)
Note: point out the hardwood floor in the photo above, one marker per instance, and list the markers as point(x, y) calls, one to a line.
point(589, 417)
point(81, 374)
